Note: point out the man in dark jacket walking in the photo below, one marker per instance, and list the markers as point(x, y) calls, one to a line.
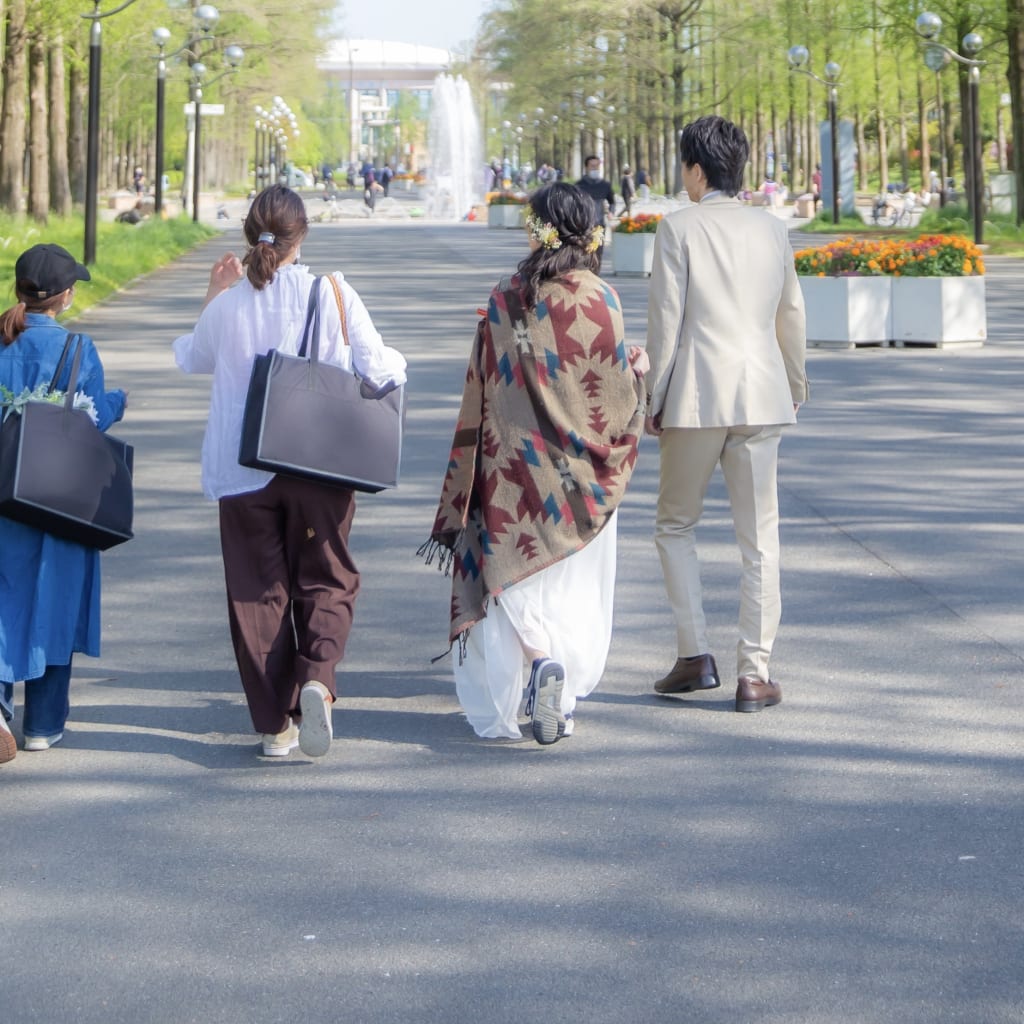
point(599, 191)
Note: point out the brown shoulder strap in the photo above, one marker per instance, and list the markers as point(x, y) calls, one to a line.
point(341, 305)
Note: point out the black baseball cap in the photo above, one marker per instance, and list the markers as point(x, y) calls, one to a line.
point(47, 270)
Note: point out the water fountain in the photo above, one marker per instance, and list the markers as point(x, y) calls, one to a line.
point(455, 178)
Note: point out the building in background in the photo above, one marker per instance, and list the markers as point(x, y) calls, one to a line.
point(387, 86)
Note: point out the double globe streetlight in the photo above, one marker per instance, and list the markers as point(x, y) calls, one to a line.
point(798, 56)
point(204, 18)
point(233, 56)
point(928, 26)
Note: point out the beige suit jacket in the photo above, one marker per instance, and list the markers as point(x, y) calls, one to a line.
point(726, 331)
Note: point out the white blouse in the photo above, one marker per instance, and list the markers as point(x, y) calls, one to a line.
point(242, 323)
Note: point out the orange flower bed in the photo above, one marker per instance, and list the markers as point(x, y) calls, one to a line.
point(928, 256)
point(641, 224)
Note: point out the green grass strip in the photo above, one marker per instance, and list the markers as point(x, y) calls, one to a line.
point(123, 251)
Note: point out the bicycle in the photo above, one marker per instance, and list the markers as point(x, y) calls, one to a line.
point(903, 216)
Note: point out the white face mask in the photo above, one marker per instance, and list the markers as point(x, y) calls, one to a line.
point(594, 174)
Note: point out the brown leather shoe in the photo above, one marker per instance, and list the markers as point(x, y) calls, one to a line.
point(753, 694)
point(688, 674)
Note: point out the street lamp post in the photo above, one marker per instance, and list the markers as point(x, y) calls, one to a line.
point(928, 26)
point(92, 142)
point(233, 55)
point(161, 36)
point(198, 70)
point(256, 156)
point(798, 56)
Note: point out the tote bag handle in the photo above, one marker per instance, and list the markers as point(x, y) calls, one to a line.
point(76, 362)
point(311, 331)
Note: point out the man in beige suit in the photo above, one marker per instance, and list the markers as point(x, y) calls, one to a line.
point(726, 340)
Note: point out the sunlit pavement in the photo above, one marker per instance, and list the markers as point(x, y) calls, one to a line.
point(849, 856)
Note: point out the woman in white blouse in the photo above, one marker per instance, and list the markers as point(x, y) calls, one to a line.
point(291, 581)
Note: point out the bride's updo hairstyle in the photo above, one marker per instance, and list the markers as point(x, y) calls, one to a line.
point(274, 228)
point(560, 219)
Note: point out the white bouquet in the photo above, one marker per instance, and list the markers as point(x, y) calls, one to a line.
point(13, 403)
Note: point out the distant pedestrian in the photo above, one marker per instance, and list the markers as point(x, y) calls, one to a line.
point(138, 181)
point(386, 175)
point(49, 587)
point(291, 579)
point(643, 184)
point(370, 186)
point(601, 195)
point(628, 190)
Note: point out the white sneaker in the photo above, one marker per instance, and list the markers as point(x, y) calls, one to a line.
point(8, 746)
point(281, 744)
point(547, 680)
point(316, 731)
point(43, 742)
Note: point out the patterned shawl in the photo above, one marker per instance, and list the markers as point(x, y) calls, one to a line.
point(545, 442)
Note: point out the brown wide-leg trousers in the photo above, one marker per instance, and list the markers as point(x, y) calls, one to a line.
point(291, 588)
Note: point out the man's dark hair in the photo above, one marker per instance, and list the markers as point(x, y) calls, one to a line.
point(593, 156)
point(719, 147)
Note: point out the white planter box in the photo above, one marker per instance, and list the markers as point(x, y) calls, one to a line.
point(938, 311)
point(844, 312)
point(505, 216)
point(633, 255)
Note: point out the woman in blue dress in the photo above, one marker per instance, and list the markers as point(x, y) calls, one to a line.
point(49, 588)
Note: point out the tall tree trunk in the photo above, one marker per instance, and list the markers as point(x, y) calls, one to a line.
point(963, 80)
point(12, 117)
point(902, 130)
point(862, 153)
point(776, 142)
point(60, 185)
point(922, 128)
point(883, 142)
point(77, 94)
point(811, 156)
point(39, 136)
point(1015, 38)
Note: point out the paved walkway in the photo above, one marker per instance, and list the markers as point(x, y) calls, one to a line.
point(852, 856)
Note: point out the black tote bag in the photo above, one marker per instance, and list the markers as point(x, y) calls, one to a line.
point(60, 473)
point(309, 419)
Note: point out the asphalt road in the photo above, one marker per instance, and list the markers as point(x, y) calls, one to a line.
point(852, 856)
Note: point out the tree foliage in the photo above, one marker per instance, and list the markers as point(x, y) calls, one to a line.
point(649, 66)
point(45, 71)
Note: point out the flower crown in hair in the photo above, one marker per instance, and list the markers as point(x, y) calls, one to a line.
point(542, 232)
point(596, 239)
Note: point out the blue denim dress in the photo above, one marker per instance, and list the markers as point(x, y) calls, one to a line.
point(49, 588)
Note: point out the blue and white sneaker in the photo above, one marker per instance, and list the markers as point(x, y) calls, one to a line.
point(544, 704)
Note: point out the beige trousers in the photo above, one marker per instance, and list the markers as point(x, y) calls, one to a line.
point(749, 459)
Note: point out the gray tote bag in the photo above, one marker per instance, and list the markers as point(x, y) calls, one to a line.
point(309, 419)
